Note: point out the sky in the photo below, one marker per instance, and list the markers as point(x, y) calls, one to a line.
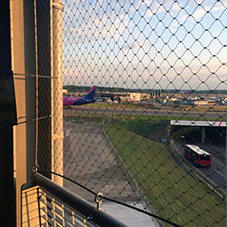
point(145, 44)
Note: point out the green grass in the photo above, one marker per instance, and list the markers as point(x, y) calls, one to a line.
point(116, 105)
point(137, 123)
point(145, 118)
point(172, 192)
point(196, 109)
point(141, 126)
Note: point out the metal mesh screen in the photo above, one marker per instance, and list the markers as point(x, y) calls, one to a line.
point(160, 71)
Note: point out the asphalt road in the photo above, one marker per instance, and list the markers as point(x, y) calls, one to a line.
point(216, 172)
point(149, 112)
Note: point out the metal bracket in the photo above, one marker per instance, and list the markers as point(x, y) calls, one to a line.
point(98, 200)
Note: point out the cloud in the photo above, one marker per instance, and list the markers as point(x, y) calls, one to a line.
point(114, 43)
point(199, 13)
point(209, 6)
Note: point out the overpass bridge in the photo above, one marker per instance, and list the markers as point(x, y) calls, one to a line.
point(203, 124)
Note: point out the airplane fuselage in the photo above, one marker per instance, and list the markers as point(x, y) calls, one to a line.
point(88, 98)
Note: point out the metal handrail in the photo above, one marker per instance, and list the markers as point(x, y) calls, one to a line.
point(78, 204)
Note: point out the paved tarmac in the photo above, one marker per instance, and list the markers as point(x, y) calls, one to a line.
point(89, 161)
point(128, 216)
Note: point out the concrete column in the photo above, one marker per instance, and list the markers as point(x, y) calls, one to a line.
point(203, 134)
point(23, 63)
point(18, 66)
point(168, 130)
point(57, 92)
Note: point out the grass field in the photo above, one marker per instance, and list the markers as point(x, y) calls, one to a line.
point(174, 194)
point(124, 118)
point(215, 108)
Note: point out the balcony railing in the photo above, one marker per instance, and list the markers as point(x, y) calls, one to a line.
point(48, 204)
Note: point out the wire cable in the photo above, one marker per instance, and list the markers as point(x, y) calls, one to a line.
point(112, 200)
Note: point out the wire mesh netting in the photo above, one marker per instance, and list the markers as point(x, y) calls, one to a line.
point(159, 74)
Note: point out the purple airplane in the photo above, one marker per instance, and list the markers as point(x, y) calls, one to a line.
point(88, 98)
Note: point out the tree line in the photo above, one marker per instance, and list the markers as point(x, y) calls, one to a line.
point(99, 89)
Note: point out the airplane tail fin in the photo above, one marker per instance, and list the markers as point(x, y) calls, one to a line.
point(91, 94)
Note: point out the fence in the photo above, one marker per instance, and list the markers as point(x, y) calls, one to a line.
point(151, 62)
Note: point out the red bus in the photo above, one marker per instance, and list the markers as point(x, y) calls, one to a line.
point(197, 155)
